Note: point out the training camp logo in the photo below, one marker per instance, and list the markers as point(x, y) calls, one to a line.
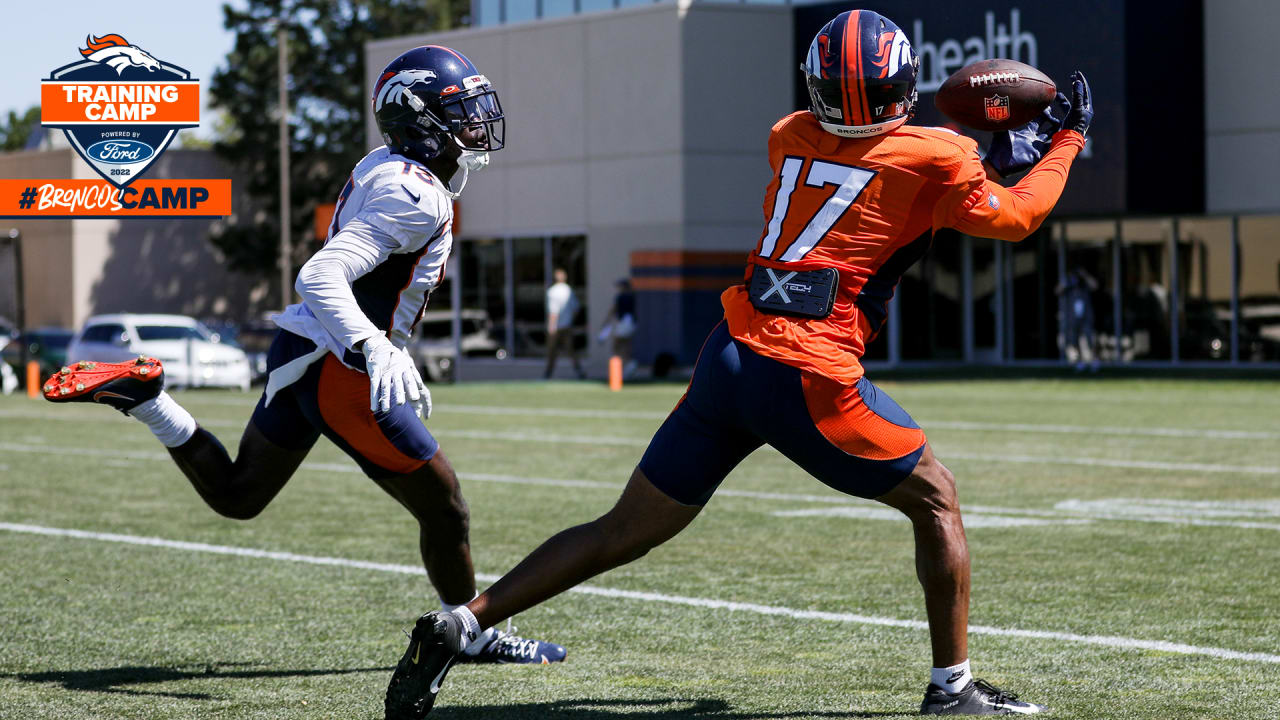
point(119, 106)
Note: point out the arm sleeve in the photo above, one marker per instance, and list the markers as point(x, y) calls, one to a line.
point(980, 207)
point(387, 224)
point(325, 281)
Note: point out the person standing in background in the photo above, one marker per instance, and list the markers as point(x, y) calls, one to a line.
point(562, 305)
point(1079, 337)
point(620, 325)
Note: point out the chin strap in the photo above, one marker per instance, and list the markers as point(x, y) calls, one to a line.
point(448, 186)
point(467, 161)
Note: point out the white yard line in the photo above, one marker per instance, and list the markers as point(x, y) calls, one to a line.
point(1206, 433)
point(971, 520)
point(1057, 429)
point(553, 412)
point(927, 424)
point(1171, 512)
point(538, 437)
point(942, 450)
point(1112, 463)
point(1111, 641)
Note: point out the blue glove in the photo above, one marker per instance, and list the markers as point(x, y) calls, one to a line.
point(1081, 114)
point(1013, 151)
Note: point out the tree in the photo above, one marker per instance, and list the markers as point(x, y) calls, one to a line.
point(327, 104)
point(15, 131)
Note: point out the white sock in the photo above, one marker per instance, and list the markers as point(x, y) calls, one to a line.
point(168, 420)
point(952, 679)
point(472, 625)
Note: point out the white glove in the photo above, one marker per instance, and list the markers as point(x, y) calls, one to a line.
point(392, 375)
point(423, 406)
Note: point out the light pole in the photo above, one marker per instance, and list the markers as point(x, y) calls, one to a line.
point(286, 246)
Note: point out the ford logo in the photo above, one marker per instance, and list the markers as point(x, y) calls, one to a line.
point(120, 152)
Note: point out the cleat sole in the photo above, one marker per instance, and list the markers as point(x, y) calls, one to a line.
point(81, 380)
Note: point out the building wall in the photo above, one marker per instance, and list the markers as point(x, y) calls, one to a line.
point(627, 126)
point(77, 268)
point(47, 248)
point(1242, 105)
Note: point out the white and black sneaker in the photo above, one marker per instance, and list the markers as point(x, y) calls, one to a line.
point(979, 697)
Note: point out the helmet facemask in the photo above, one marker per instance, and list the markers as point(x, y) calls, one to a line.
point(475, 121)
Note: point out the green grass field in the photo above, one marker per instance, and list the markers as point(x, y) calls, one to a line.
point(1114, 515)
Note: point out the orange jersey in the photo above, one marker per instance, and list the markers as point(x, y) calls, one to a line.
point(868, 208)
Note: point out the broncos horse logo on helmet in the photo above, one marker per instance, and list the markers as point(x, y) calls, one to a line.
point(115, 51)
point(861, 72)
point(431, 97)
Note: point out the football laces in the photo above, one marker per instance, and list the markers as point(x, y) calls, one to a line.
point(994, 78)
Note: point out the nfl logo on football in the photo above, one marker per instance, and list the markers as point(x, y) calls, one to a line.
point(997, 108)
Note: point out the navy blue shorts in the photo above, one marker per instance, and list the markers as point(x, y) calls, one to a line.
point(855, 439)
point(333, 400)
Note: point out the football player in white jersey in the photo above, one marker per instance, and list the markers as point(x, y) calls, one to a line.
point(337, 366)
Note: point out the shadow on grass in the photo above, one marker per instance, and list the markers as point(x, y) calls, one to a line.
point(118, 680)
point(632, 709)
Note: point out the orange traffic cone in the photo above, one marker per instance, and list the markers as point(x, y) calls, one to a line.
point(615, 373)
point(33, 379)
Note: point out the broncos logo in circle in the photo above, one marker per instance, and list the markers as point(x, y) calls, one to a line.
point(118, 53)
point(391, 87)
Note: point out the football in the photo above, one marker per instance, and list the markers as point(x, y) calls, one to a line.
point(994, 94)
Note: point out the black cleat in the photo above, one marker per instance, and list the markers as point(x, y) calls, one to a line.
point(437, 639)
point(122, 386)
point(977, 698)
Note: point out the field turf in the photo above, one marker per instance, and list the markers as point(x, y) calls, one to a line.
point(1125, 537)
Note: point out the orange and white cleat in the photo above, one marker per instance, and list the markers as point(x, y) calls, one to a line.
point(122, 386)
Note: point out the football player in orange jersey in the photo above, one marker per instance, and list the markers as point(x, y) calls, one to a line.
point(855, 198)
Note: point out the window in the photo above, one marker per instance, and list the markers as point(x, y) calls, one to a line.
point(1204, 289)
point(930, 302)
point(520, 11)
point(1085, 308)
point(1033, 275)
point(107, 333)
point(1144, 290)
point(556, 8)
point(169, 332)
point(530, 274)
point(484, 282)
point(1259, 239)
point(487, 12)
point(507, 279)
point(983, 298)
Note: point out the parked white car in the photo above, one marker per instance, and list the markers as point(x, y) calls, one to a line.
point(191, 354)
point(432, 343)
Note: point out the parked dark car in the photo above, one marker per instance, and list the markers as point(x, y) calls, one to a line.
point(255, 339)
point(47, 346)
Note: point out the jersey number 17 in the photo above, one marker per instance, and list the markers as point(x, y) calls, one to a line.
point(849, 180)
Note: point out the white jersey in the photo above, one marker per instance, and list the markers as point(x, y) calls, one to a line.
point(386, 251)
